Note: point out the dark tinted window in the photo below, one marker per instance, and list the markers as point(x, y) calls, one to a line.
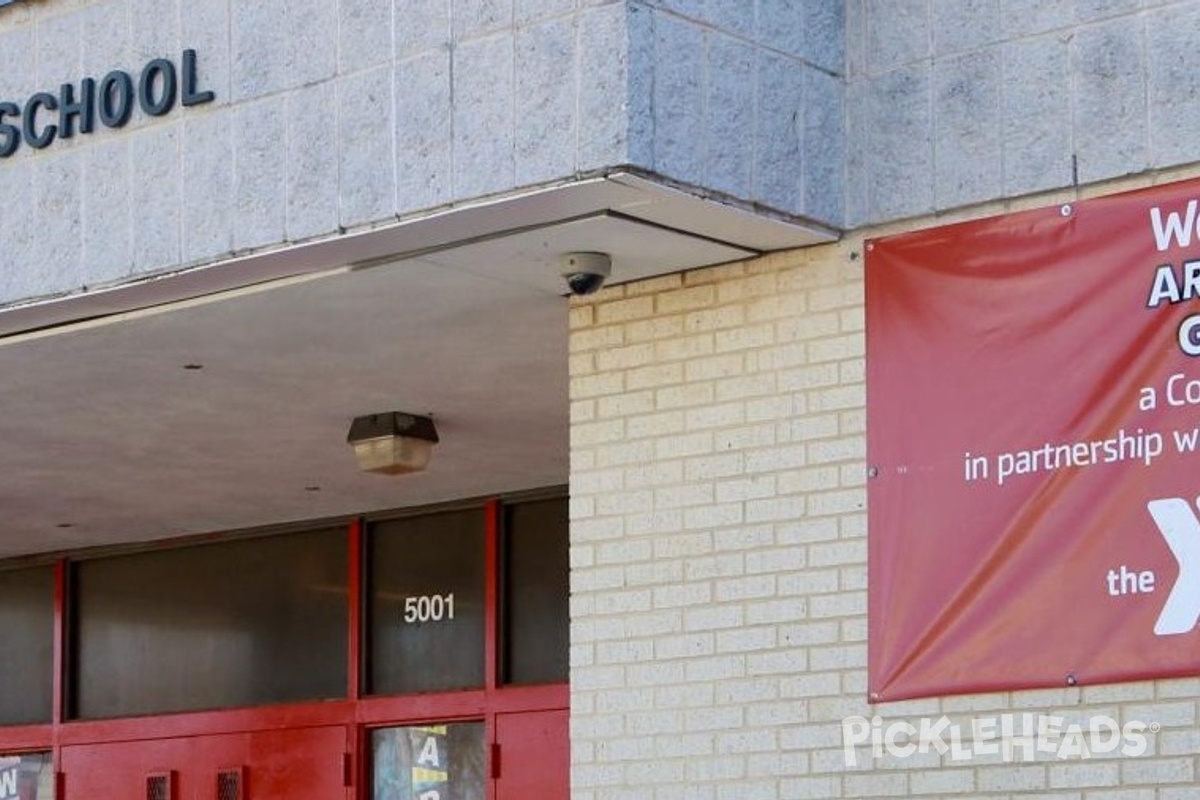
point(426, 603)
point(26, 645)
point(234, 623)
point(536, 592)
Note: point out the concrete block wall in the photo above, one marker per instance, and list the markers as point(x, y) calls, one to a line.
point(332, 116)
point(848, 112)
point(743, 97)
point(718, 555)
point(328, 116)
point(956, 102)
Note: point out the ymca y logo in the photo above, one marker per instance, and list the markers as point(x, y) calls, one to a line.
point(1180, 526)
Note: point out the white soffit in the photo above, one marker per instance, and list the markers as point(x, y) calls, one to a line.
point(218, 399)
point(638, 250)
point(225, 415)
point(522, 232)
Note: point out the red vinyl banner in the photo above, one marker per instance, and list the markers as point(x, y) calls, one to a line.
point(1033, 418)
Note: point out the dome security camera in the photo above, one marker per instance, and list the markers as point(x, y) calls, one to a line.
point(585, 272)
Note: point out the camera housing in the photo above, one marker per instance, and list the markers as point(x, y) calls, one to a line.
point(585, 273)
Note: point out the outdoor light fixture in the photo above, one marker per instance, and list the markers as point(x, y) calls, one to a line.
point(392, 443)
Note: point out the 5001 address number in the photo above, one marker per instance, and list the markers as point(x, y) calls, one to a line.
point(429, 608)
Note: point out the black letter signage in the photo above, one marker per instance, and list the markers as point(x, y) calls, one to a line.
point(111, 100)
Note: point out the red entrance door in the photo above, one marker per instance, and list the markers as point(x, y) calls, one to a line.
point(535, 756)
point(298, 764)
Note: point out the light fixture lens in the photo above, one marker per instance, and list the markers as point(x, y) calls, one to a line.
point(393, 455)
point(393, 443)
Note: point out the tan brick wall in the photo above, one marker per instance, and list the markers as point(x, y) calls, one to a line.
point(719, 560)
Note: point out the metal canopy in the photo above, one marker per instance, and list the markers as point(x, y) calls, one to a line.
point(219, 398)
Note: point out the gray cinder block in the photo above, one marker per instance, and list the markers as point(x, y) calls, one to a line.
point(546, 85)
point(155, 179)
point(483, 116)
point(967, 145)
point(367, 189)
point(312, 176)
point(259, 173)
point(207, 187)
point(364, 34)
point(424, 141)
point(1110, 99)
point(1036, 111)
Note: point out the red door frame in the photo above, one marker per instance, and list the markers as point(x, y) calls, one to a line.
point(358, 713)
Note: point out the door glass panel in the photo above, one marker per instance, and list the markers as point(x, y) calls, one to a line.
point(27, 777)
point(429, 762)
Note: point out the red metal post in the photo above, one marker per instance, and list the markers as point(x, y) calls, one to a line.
point(491, 595)
point(60, 643)
point(354, 667)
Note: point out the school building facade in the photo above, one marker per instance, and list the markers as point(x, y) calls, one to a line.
point(635, 566)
